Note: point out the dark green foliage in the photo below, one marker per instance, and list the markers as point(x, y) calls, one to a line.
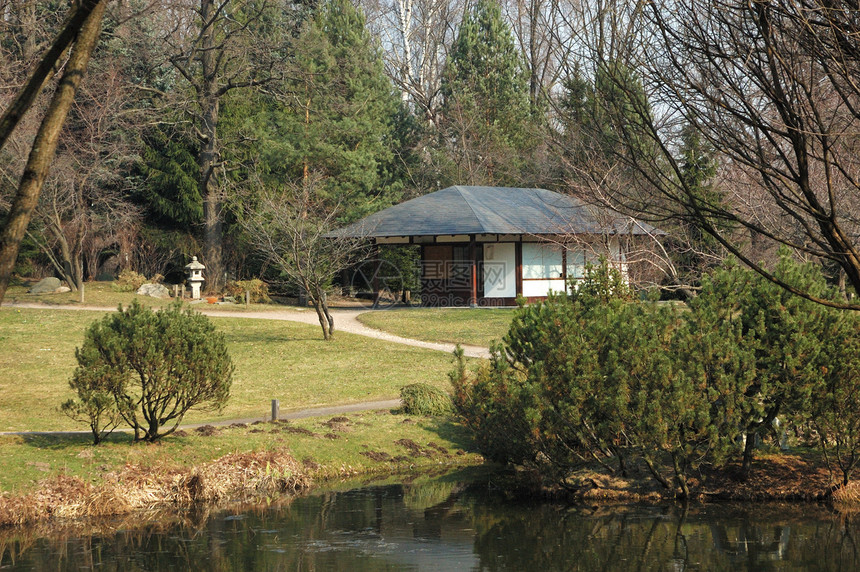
point(602, 284)
point(486, 119)
point(781, 338)
point(424, 399)
point(485, 74)
point(598, 113)
point(489, 403)
point(150, 368)
point(624, 107)
point(834, 402)
point(599, 376)
point(407, 262)
point(170, 186)
point(699, 251)
point(337, 121)
point(94, 406)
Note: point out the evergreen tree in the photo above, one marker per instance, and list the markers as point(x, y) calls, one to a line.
point(150, 368)
point(597, 375)
point(337, 121)
point(486, 116)
point(170, 188)
point(701, 251)
point(600, 111)
point(778, 338)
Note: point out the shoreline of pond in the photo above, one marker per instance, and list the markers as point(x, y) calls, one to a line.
point(451, 521)
point(193, 494)
point(273, 471)
point(264, 466)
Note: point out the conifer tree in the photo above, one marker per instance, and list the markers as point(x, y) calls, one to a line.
point(486, 115)
point(337, 119)
point(170, 188)
point(698, 169)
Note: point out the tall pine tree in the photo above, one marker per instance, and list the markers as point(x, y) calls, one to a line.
point(698, 164)
point(337, 120)
point(486, 116)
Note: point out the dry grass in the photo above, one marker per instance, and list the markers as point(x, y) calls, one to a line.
point(61, 476)
point(236, 476)
point(848, 496)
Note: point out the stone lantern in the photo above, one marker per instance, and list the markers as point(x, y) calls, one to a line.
point(194, 271)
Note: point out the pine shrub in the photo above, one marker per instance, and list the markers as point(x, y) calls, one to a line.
point(149, 368)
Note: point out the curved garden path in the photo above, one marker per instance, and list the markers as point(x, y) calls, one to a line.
point(345, 320)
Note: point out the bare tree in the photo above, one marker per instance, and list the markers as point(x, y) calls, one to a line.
point(415, 38)
point(83, 204)
point(45, 68)
point(293, 228)
point(540, 28)
point(220, 46)
point(45, 144)
point(773, 87)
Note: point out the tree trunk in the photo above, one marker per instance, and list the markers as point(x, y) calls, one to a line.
point(751, 433)
point(681, 476)
point(45, 145)
point(73, 27)
point(328, 315)
point(213, 253)
point(323, 319)
point(749, 447)
point(656, 473)
point(318, 299)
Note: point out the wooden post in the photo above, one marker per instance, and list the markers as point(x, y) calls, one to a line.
point(518, 257)
point(276, 406)
point(473, 293)
point(82, 292)
point(176, 290)
point(247, 298)
point(564, 266)
point(374, 281)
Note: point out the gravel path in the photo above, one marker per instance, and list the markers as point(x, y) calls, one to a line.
point(288, 415)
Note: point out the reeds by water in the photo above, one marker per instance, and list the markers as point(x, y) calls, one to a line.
point(237, 476)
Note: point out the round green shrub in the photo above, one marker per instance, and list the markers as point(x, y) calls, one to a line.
point(423, 399)
point(149, 368)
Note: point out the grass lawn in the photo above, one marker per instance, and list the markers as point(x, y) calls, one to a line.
point(473, 326)
point(335, 448)
point(274, 360)
point(95, 294)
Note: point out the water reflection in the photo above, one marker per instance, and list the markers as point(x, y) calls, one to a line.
point(447, 524)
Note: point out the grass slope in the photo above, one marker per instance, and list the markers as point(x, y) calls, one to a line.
point(369, 442)
point(274, 360)
point(472, 326)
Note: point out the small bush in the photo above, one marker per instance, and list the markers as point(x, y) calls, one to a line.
point(423, 399)
point(259, 290)
point(128, 281)
point(488, 401)
point(149, 368)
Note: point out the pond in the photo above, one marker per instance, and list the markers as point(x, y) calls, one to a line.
point(457, 523)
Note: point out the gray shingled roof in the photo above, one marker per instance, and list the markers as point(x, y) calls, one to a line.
point(493, 210)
